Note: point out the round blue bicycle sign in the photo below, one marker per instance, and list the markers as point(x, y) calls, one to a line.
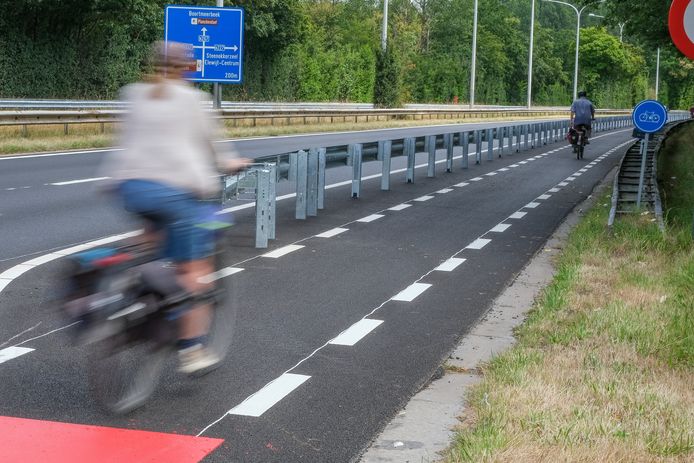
point(649, 116)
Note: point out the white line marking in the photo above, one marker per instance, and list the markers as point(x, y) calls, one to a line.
point(513, 165)
point(503, 169)
point(331, 233)
point(444, 191)
point(411, 292)
point(219, 274)
point(562, 183)
point(554, 190)
point(523, 162)
point(423, 198)
point(9, 353)
point(479, 243)
point(517, 215)
point(578, 174)
point(583, 170)
point(400, 207)
point(532, 205)
point(356, 332)
point(450, 264)
point(571, 179)
point(491, 174)
point(73, 182)
point(544, 196)
point(476, 179)
point(502, 227)
point(269, 395)
point(282, 251)
point(370, 218)
point(462, 184)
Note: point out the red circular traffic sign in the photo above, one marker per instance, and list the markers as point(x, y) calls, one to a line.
point(681, 22)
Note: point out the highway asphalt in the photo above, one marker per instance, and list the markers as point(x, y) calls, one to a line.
point(320, 395)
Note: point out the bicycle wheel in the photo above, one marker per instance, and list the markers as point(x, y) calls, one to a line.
point(581, 148)
point(124, 372)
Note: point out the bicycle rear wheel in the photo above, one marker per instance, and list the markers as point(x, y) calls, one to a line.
point(124, 372)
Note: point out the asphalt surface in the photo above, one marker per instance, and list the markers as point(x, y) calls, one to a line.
point(289, 308)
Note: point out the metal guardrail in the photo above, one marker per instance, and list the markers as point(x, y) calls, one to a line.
point(306, 168)
point(625, 185)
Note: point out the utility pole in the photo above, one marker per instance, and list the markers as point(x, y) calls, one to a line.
point(473, 65)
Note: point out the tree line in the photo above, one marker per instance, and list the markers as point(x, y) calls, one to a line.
point(328, 50)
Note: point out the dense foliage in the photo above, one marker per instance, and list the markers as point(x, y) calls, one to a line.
point(318, 50)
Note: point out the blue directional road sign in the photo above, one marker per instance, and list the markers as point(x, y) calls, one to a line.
point(215, 38)
point(649, 116)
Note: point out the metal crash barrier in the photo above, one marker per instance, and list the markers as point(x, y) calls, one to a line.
point(306, 168)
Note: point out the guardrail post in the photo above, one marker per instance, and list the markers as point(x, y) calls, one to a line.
point(354, 153)
point(431, 148)
point(465, 144)
point(293, 166)
point(490, 144)
point(500, 138)
point(448, 143)
point(312, 183)
point(517, 132)
point(408, 150)
point(301, 184)
point(384, 150)
point(272, 211)
point(478, 146)
point(526, 129)
point(321, 178)
point(262, 209)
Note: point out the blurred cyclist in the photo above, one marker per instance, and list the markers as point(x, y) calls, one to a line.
point(168, 163)
point(583, 114)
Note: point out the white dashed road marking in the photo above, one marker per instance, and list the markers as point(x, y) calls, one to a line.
point(283, 251)
point(517, 215)
point(370, 218)
point(479, 243)
point(502, 227)
point(400, 207)
point(423, 198)
point(450, 264)
point(9, 353)
point(356, 332)
point(411, 292)
point(273, 392)
point(331, 233)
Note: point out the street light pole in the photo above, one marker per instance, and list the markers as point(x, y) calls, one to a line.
point(384, 29)
point(657, 75)
point(578, 38)
point(621, 31)
point(473, 64)
point(530, 59)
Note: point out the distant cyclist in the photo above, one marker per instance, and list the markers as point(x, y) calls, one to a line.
point(583, 114)
point(167, 165)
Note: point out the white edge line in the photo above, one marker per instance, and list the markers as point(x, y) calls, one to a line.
point(411, 292)
point(356, 332)
point(12, 352)
point(274, 391)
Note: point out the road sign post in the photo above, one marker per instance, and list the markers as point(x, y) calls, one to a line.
point(214, 37)
point(649, 117)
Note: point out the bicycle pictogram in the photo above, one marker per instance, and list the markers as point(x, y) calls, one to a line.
point(649, 116)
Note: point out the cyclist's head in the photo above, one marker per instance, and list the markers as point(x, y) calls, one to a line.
point(582, 94)
point(171, 58)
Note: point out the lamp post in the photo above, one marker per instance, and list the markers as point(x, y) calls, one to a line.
point(657, 75)
point(473, 64)
point(530, 58)
point(621, 31)
point(578, 38)
point(384, 30)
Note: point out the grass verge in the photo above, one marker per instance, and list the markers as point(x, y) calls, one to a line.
point(52, 138)
point(604, 365)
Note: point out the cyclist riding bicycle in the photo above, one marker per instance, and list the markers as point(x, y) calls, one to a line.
point(167, 165)
point(583, 114)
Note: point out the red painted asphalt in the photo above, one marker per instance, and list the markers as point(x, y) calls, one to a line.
point(23, 440)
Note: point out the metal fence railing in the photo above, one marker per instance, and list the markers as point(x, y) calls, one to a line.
point(306, 168)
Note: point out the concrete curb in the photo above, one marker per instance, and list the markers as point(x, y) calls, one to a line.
point(425, 428)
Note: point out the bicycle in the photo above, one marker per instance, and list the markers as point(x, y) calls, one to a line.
point(126, 302)
point(579, 145)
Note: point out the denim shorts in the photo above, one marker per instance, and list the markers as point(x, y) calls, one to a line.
point(177, 213)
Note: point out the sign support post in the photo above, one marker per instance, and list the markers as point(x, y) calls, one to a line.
point(644, 156)
point(217, 87)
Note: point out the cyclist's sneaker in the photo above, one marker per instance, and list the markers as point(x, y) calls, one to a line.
point(196, 358)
